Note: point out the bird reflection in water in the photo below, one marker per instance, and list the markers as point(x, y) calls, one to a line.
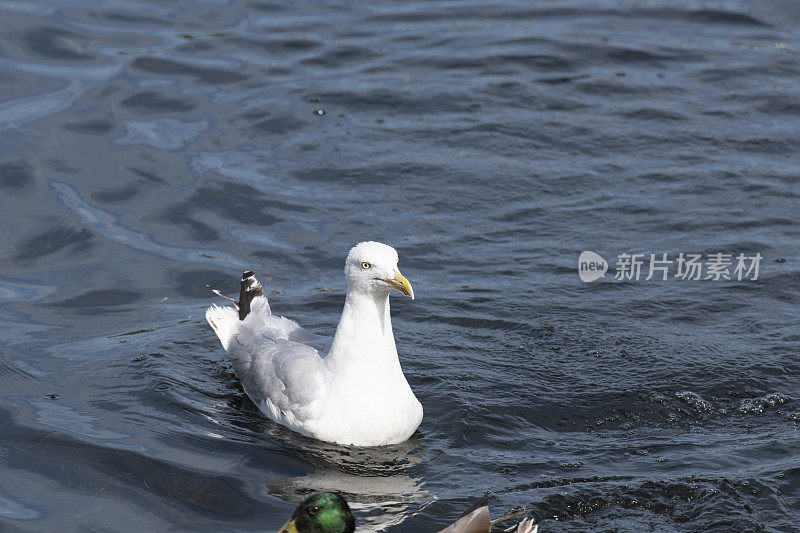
point(377, 482)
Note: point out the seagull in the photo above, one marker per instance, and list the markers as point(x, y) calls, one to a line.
point(355, 394)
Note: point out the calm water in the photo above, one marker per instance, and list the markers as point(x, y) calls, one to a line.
point(150, 148)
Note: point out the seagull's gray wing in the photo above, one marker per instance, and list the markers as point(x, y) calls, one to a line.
point(278, 366)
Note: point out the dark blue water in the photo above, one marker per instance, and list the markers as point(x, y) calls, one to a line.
point(150, 148)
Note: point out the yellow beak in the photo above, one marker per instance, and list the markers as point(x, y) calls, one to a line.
point(400, 283)
point(288, 527)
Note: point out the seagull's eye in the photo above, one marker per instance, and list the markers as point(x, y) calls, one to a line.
point(365, 265)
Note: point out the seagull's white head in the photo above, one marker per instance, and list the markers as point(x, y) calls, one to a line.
point(371, 267)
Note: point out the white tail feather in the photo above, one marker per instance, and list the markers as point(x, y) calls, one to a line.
point(223, 320)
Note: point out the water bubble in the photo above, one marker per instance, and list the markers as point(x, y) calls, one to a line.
point(758, 405)
point(694, 400)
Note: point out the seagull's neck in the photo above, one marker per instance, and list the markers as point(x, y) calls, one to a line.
point(364, 334)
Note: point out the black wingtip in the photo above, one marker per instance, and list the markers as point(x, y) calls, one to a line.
point(249, 290)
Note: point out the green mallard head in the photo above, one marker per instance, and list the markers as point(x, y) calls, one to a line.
point(322, 512)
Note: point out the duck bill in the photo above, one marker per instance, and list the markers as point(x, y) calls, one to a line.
point(400, 283)
point(288, 527)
